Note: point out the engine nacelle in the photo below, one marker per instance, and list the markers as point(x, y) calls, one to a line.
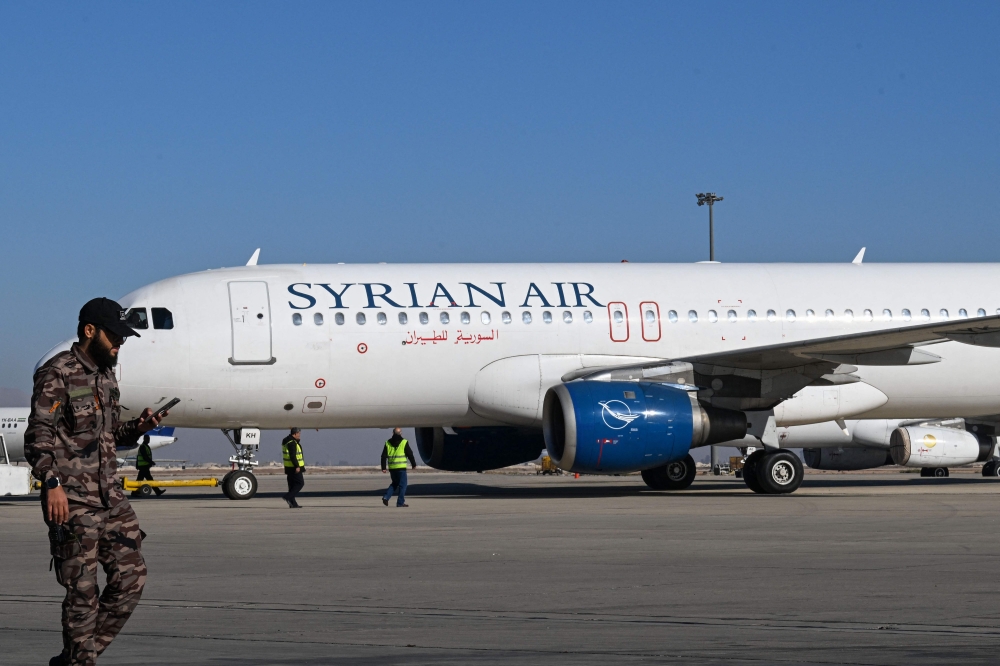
point(478, 449)
point(610, 427)
point(929, 446)
point(845, 459)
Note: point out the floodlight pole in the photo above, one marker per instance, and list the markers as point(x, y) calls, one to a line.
point(709, 198)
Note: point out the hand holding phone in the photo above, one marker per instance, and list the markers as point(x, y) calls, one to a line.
point(158, 414)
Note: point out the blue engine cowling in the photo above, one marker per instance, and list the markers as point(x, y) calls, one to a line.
point(613, 427)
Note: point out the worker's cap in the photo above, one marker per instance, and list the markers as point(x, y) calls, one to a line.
point(295, 430)
point(105, 313)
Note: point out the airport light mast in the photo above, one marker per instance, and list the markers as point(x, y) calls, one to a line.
point(709, 198)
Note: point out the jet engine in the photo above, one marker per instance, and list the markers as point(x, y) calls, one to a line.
point(611, 427)
point(930, 446)
point(478, 449)
point(847, 458)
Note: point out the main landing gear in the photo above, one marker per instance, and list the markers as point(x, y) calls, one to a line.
point(677, 475)
point(935, 472)
point(240, 483)
point(772, 472)
point(991, 468)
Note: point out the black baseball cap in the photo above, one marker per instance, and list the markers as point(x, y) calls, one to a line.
point(107, 314)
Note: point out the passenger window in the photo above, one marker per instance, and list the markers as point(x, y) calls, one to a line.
point(465, 318)
point(567, 317)
point(445, 319)
point(906, 315)
point(713, 316)
point(424, 318)
point(772, 315)
point(731, 315)
point(547, 317)
point(980, 312)
point(943, 313)
point(849, 315)
point(381, 318)
point(588, 316)
point(318, 318)
point(751, 315)
point(810, 314)
point(829, 314)
point(403, 318)
point(693, 316)
point(868, 315)
point(789, 315)
point(136, 318)
point(485, 317)
point(505, 317)
point(338, 319)
point(672, 316)
point(360, 318)
point(619, 317)
point(961, 313)
point(297, 319)
point(162, 318)
point(526, 317)
point(925, 314)
point(887, 314)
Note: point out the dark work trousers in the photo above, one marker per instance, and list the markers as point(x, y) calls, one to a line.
point(144, 475)
point(295, 484)
point(398, 485)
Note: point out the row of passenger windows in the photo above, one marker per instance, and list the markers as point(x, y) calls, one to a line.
point(810, 315)
point(162, 318)
point(444, 317)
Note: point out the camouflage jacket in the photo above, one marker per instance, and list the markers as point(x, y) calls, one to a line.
point(74, 427)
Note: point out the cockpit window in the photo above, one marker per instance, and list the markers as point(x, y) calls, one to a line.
point(136, 318)
point(162, 318)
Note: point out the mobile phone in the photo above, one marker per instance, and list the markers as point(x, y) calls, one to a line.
point(158, 414)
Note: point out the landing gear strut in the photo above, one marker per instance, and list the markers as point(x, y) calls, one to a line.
point(772, 472)
point(241, 484)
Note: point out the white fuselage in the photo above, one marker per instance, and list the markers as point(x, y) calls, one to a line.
point(296, 365)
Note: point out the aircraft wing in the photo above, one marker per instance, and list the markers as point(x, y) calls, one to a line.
point(893, 346)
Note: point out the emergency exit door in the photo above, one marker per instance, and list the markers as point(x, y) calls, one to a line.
point(250, 315)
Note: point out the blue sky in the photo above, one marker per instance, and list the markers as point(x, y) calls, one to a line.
point(142, 140)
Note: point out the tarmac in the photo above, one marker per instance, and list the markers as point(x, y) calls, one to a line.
point(487, 568)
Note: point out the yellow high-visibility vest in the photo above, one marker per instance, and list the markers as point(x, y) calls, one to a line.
point(286, 457)
point(395, 455)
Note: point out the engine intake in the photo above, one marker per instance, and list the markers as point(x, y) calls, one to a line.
point(929, 446)
point(478, 449)
point(611, 427)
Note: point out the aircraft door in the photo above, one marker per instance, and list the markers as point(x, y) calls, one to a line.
point(618, 320)
point(650, 313)
point(250, 312)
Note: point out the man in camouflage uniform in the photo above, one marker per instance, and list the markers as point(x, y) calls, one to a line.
point(70, 441)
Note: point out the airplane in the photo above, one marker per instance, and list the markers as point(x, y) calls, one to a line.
point(492, 363)
point(13, 421)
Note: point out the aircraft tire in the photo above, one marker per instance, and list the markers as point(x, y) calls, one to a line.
point(242, 485)
point(940, 472)
point(925, 472)
point(991, 468)
point(224, 484)
point(654, 478)
point(779, 473)
point(750, 471)
point(680, 474)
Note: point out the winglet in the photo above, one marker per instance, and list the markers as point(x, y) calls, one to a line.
point(857, 260)
point(256, 253)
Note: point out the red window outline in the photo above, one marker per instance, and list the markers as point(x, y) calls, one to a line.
point(611, 322)
point(642, 315)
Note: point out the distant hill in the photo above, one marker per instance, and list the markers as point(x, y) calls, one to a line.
point(11, 397)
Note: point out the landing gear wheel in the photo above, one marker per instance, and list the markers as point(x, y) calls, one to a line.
point(940, 472)
point(240, 485)
point(677, 475)
point(145, 490)
point(224, 484)
point(779, 473)
point(750, 471)
point(991, 468)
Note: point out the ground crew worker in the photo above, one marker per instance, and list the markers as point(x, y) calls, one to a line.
point(143, 463)
point(295, 465)
point(72, 433)
point(395, 453)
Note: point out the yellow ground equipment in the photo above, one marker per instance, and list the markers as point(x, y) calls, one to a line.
point(547, 467)
point(146, 487)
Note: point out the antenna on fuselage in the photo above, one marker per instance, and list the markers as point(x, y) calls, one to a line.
point(253, 259)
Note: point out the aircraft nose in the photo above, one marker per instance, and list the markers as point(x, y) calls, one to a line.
point(61, 347)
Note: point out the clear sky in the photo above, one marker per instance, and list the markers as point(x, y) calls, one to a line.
point(143, 140)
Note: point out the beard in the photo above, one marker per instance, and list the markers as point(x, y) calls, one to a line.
point(101, 355)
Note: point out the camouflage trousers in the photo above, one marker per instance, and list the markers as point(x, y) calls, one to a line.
point(90, 618)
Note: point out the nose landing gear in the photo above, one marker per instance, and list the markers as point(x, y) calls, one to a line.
point(241, 484)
